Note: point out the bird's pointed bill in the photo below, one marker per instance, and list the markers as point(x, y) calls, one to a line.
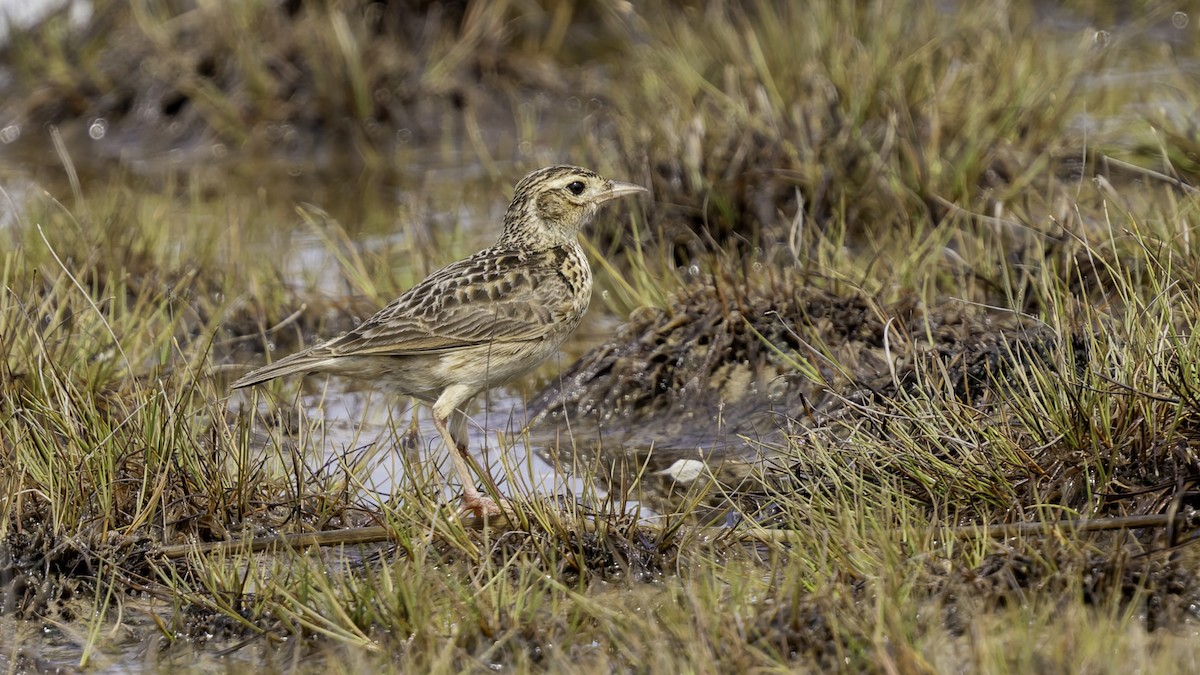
point(617, 188)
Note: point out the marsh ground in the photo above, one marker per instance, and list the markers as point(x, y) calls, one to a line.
point(894, 372)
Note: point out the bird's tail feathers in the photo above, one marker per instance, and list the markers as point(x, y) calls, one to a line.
point(300, 362)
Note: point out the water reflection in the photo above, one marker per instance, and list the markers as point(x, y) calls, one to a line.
point(371, 433)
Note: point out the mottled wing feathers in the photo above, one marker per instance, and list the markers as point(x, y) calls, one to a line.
point(497, 294)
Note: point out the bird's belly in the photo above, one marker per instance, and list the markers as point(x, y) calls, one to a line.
point(409, 375)
point(425, 376)
point(491, 365)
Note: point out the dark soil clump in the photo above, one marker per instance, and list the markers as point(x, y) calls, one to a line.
point(745, 361)
point(729, 362)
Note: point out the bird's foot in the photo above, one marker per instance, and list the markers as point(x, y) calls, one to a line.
point(485, 507)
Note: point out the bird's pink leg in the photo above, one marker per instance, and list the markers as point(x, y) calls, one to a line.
point(472, 501)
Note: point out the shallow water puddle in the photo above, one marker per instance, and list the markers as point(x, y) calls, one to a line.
point(370, 433)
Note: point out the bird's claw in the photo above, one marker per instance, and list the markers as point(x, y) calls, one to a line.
point(483, 507)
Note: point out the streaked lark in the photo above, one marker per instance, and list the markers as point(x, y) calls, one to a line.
point(479, 322)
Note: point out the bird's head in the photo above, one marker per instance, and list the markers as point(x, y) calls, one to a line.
point(550, 205)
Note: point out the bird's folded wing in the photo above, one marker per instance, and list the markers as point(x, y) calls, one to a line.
point(455, 308)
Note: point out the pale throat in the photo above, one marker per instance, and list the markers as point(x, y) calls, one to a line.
point(537, 234)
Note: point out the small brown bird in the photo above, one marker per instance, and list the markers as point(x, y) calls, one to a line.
point(479, 322)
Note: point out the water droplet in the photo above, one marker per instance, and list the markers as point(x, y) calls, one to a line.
point(574, 104)
point(694, 269)
point(98, 128)
point(10, 133)
point(219, 150)
point(524, 147)
point(604, 295)
point(1102, 38)
point(757, 266)
point(270, 346)
point(1179, 19)
point(403, 135)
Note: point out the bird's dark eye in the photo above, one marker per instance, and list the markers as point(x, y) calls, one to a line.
point(576, 187)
